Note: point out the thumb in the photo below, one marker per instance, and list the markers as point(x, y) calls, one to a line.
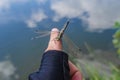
point(74, 72)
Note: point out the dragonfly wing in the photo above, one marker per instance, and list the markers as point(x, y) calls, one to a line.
point(72, 48)
point(41, 34)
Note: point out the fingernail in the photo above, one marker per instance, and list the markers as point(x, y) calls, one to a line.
point(55, 30)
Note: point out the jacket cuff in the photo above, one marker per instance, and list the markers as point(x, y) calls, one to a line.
point(56, 63)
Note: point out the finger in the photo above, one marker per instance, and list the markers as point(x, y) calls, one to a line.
point(53, 43)
point(74, 72)
point(54, 33)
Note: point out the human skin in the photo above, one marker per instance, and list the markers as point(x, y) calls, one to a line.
point(57, 45)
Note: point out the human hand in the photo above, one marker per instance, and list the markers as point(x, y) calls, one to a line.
point(57, 45)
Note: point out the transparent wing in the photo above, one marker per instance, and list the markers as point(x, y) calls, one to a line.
point(40, 34)
point(71, 47)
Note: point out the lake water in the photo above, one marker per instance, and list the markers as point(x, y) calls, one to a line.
point(20, 56)
point(24, 54)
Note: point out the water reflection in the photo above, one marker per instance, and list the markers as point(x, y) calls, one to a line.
point(91, 30)
point(25, 54)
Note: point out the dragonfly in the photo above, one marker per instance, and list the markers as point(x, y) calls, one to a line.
point(46, 33)
point(72, 48)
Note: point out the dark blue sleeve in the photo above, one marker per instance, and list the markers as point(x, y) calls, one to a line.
point(54, 66)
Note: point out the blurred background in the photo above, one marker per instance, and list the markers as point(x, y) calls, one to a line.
point(89, 34)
